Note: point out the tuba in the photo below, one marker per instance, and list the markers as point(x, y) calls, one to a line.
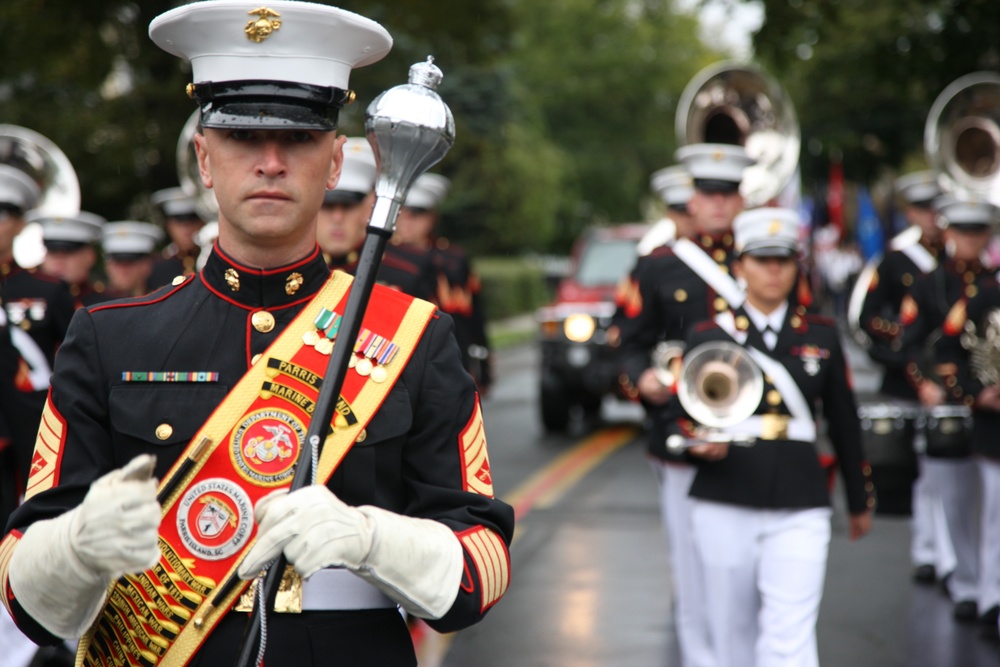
point(730, 103)
point(962, 137)
point(52, 171)
point(187, 171)
point(719, 386)
point(962, 141)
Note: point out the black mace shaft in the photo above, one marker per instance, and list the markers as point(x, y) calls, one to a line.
point(319, 427)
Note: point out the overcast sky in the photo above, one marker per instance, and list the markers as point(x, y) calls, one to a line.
point(727, 24)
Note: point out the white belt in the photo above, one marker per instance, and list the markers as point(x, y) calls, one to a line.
point(332, 589)
point(762, 427)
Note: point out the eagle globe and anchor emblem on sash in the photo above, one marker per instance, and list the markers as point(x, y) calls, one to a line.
point(215, 519)
point(266, 445)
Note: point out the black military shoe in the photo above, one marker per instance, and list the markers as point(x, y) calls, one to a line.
point(965, 610)
point(924, 574)
point(988, 623)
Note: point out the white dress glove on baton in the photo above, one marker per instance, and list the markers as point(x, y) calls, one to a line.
point(62, 567)
point(416, 562)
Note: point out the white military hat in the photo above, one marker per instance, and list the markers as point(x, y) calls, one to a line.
point(128, 237)
point(357, 176)
point(965, 212)
point(715, 167)
point(174, 202)
point(67, 232)
point(284, 65)
point(427, 192)
point(673, 185)
point(919, 187)
point(17, 188)
point(767, 232)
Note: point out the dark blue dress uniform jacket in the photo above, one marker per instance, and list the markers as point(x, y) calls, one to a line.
point(787, 474)
point(409, 463)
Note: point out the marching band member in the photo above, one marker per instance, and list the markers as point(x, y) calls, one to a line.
point(908, 260)
point(673, 186)
point(128, 256)
point(669, 290)
point(761, 514)
point(207, 385)
point(927, 312)
point(458, 286)
point(970, 317)
point(70, 252)
point(182, 223)
point(343, 220)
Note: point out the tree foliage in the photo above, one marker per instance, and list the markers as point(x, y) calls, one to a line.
point(864, 74)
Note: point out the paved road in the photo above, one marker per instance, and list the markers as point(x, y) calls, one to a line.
point(591, 583)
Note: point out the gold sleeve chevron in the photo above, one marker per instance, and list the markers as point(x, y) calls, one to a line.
point(489, 554)
point(6, 553)
point(475, 460)
point(48, 451)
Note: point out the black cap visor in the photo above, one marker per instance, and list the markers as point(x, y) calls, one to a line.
point(270, 105)
point(712, 185)
point(970, 227)
point(53, 245)
point(768, 249)
point(342, 197)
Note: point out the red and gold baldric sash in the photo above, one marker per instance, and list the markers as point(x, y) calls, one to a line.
point(245, 450)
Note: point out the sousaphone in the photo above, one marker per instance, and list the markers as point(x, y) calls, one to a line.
point(731, 103)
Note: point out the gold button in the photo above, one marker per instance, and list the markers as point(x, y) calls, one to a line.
point(723, 268)
point(362, 435)
point(164, 431)
point(720, 304)
point(728, 239)
point(177, 280)
point(796, 322)
point(773, 398)
point(742, 323)
point(867, 470)
point(971, 291)
point(256, 358)
point(262, 321)
point(719, 255)
point(869, 487)
point(907, 279)
point(680, 296)
point(969, 276)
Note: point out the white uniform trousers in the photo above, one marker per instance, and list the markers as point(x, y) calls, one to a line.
point(930, 543)
point(764, 572)
point(959, 489)
point(689, 596)
point(989, 536)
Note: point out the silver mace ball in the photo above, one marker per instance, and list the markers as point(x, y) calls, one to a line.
point(410, 128)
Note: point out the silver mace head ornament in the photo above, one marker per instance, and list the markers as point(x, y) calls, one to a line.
point(410, 129)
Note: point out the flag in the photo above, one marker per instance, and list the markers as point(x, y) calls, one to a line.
point(835, 195)
point(871, 241)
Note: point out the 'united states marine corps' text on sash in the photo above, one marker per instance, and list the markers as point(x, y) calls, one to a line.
point(247, 449)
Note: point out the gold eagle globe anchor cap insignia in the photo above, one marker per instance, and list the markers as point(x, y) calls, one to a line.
point(266, 23)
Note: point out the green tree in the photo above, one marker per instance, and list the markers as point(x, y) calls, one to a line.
point(865, 74)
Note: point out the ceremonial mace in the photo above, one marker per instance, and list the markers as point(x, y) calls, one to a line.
point(410, 129)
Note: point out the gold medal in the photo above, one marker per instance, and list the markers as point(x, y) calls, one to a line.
point(324, 346)
point(310, 338)
point(364, 367)
point(379, 374)
point(353, 362)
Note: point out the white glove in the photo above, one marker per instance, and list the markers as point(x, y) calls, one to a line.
point(416, 562)
point(61, 568)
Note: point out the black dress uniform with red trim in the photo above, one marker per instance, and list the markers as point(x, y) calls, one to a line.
point(459, 293)
point(42, 306)
point(893, 279)
point(955, 368)
point(924, 313)
point(408, 272)
point(11, 487)
point(784, 473)
point(411, 461)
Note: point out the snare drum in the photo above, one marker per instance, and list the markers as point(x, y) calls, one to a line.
point(949, 431)
point(887, 431)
